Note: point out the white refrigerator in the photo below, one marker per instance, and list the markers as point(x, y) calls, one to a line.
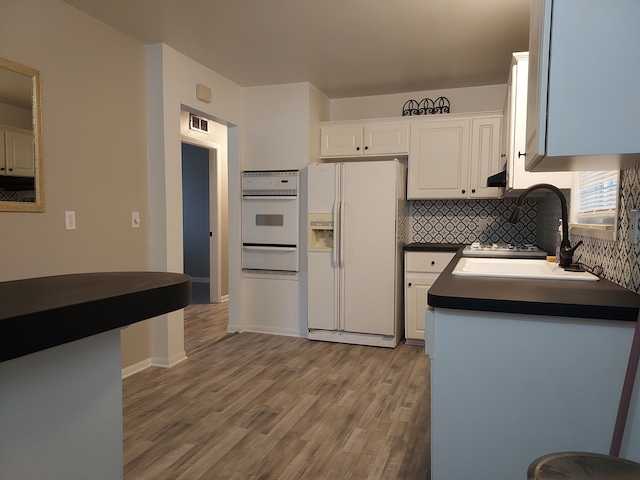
point(356, 220)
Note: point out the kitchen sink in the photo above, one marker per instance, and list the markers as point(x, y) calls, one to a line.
point(517, 268)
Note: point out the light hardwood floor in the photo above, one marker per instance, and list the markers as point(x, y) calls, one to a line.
point(254, 406)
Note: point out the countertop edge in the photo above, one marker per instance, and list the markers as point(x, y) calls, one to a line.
point(598, 300)
point(90, 312)
point(432, 247)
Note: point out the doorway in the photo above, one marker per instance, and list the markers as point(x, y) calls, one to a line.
point(205, 205)
point(196, 227)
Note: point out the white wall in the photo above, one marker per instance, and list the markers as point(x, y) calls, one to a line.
point(278, 136)
point(15, 116)
point(462, 100)
point(95, 150)
point(171, 86)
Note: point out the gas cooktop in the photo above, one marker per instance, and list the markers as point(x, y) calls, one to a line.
point(503, 250)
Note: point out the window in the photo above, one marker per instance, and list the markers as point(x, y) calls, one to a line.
point(594, 204)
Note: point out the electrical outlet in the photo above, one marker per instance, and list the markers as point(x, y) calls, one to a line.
point(70, 220)
point(634, 226)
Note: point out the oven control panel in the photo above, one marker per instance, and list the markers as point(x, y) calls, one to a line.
point(270, 183)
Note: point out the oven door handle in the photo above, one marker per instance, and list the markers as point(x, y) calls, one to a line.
point(269, 248)
point(274, 197)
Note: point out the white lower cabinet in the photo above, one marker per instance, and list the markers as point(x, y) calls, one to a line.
point(421, 269)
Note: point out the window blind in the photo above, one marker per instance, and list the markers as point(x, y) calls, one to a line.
point(598, 196)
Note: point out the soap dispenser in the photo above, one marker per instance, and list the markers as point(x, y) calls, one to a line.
point(558, 241)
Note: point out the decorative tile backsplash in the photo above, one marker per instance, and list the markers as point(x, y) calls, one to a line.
point(467, 221)
point(619, 259)
point(8, 196)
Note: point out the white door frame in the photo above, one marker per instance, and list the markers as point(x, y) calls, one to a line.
point(215, 215)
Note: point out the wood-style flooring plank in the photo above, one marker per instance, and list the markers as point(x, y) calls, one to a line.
point(252, 406)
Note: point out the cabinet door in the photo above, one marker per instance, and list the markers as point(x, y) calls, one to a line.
point(386, 139)
point(3, 154)
point(341, 141)
point(485, 156)
point(504, 133)
point(20, 157)
point(421, 270)
point(439, 159)
point(519, 178)
point(416, 289)
point(539, 38)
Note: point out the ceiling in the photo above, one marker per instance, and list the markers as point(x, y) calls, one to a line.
point(346, 48)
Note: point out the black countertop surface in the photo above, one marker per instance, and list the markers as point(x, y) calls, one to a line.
point(433, 247)
point(44, 312)
point(601, 299)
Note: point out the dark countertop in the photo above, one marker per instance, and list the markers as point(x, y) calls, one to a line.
point(563, 298)
point(39, 313)
point(432, 247)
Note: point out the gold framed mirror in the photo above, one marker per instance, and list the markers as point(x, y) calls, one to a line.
point(21, 163)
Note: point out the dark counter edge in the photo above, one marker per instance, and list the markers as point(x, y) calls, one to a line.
point(599, 300)
point(33, 332)
point(432, 247)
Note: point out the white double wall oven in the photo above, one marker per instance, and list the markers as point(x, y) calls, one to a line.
point(270, 220)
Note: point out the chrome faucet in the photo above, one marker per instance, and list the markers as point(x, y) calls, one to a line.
point(566, 250)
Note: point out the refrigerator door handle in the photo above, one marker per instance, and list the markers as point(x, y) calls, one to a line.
point(336, 231)
point(343, 178)
point(337, 248)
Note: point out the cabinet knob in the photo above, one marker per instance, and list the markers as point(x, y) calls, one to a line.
point(357, 148)
point(366, 147)
point(433, 263)
point(464, 191)
point(502, 155)
point(520, 154)
point(409, 284)
point(473, 190)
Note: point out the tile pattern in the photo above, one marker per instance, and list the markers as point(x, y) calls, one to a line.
point(619, 259)
point(467, 221)
point(549, 214)
point(402, 208)
point(8, 196)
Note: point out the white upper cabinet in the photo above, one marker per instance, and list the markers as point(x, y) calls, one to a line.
point(515, 134)
point(18, 154)
point(583, 100)
point(339, 140)
point(452, 157)
point(439, 158)
point(485, 156)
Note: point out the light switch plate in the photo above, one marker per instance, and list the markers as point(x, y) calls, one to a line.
point(135, 219)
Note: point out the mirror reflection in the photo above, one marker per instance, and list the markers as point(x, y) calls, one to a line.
point(21, 175)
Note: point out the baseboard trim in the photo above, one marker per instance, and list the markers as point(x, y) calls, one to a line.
point(353, 338)
point(164, 362)
point(267, 330)
point(135, 368)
